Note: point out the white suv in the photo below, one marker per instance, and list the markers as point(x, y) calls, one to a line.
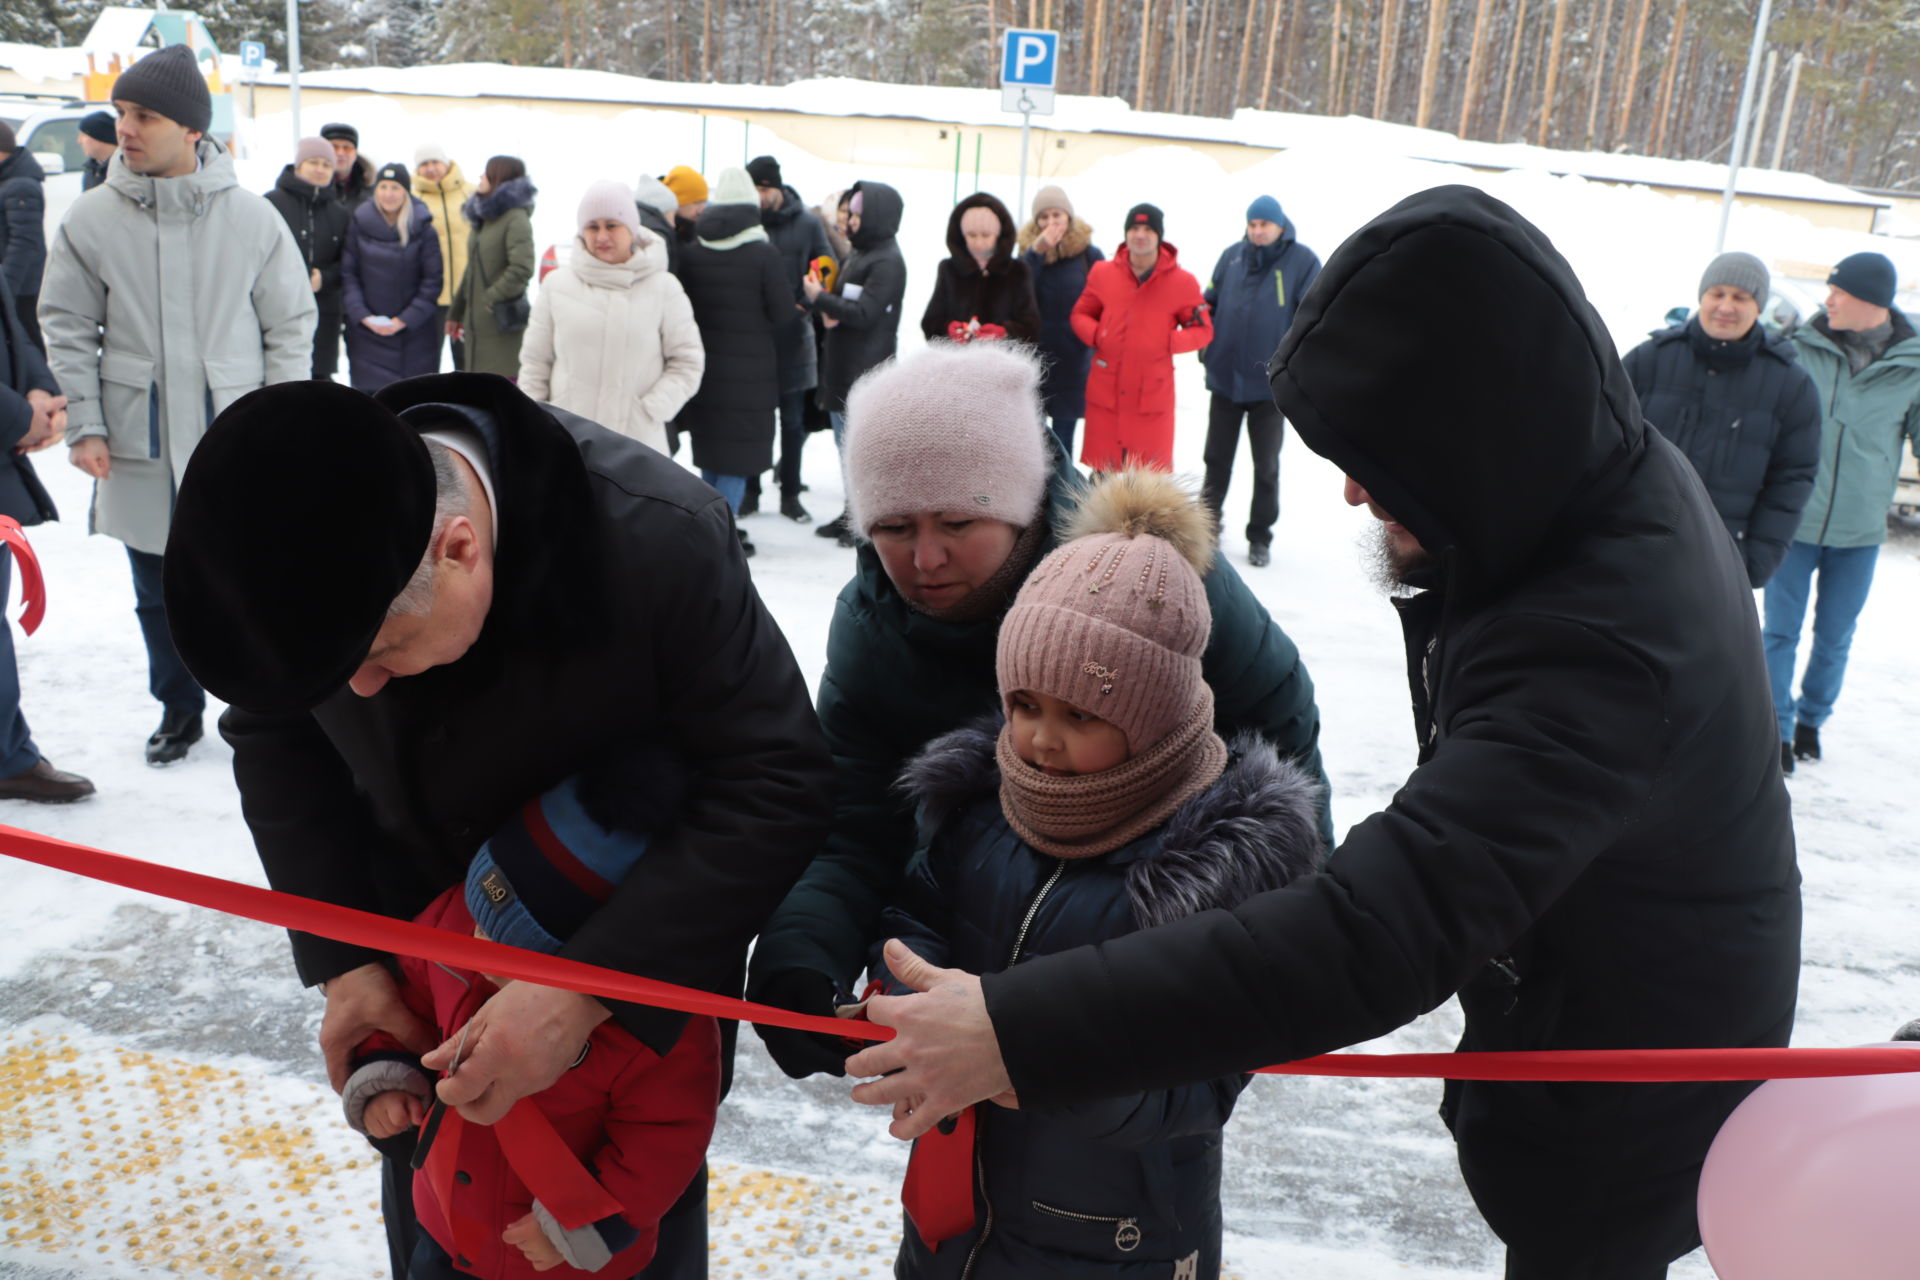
point(48, 125)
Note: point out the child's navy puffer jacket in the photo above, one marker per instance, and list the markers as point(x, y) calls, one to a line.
point(1128, 1187)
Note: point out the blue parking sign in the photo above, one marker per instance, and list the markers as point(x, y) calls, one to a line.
point(1028, 58)
point(252, 53)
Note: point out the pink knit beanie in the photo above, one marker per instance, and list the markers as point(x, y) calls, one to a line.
point(1115, 620)
point(955, 427)
point(312, 149)
point(608, 199)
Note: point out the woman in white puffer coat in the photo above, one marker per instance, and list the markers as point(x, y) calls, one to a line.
point(612, 336)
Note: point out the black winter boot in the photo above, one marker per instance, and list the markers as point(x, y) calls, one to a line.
point(1786, 757)
point(790, 508)
point(1806, 742)
point(178, 730)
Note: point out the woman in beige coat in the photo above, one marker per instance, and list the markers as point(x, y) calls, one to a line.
point(613, 337)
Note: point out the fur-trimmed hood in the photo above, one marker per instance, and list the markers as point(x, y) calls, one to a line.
point(1255, 829)
point(1003, 243)
point(1072, 245)
point(484, 207)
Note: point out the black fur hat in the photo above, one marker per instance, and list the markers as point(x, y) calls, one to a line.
point(304, 512)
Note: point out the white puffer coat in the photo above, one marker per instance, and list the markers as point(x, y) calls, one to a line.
point(615, 343)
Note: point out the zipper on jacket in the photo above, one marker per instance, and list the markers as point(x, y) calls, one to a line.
point(980, 1180)
point(1126, 1231)
point(1020, 940)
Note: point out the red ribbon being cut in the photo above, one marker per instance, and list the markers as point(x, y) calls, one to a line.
point(403, 937)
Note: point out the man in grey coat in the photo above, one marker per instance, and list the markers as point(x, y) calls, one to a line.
point(170, 292)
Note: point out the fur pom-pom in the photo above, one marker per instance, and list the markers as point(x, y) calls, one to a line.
point(1138, 500)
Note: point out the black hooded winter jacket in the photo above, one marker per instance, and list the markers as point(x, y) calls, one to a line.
point(866, 297)
point(1002, 294)
point(1594, 850)
point(1128, 1187)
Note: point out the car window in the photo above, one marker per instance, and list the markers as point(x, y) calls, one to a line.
point(61, 137)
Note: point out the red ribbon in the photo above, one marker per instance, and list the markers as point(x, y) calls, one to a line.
point(403, 937)
point(33, 584)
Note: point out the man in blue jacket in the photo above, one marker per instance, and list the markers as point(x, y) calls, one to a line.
point(23, 241)
point(1256, 286)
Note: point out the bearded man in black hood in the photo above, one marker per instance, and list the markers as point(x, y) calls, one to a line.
point(1594, 850)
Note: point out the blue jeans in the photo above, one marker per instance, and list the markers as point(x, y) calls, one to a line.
point(167, 677)
point(732, 488)
point(839, 421)
point(1846, 576)
point(17, 752)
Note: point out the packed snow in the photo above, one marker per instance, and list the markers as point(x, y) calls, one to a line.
point(162, 1105)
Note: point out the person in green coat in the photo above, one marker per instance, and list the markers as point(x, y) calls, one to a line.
point(957, 490)
point(1865, 359)
point(499, 267)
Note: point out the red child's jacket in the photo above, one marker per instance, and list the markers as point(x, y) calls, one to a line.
point(638, 1122)
point(1135, 331)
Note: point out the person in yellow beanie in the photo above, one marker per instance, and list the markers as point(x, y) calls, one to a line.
point(690, 189)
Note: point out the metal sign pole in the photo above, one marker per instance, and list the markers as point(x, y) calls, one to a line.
point(1740, 122)
point(293, 68)
point(1026, 128)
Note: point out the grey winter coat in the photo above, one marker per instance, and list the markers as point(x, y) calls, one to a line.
point(1869, 417)
point(166, 300)
point(1125, 1187)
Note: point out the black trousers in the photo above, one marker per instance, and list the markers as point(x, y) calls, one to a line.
point(793, 441)
point(1265, 430)
point(168, 679)
point(326, 345)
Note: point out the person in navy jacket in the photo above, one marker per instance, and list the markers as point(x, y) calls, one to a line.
point(1256, 286)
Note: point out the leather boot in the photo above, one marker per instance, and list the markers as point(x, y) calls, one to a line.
point(178, 730)
point(45, 784)
point(1806, 742)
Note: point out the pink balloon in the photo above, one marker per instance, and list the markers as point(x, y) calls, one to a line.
point(1816, 1178)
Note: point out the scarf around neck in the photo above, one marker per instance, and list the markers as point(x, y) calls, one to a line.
point(1095, 813)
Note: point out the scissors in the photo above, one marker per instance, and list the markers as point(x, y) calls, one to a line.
point(438, 1110)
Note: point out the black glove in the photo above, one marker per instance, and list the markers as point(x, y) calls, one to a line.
point(803, 1053)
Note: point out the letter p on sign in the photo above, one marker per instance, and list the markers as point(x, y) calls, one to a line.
point(1028, 58)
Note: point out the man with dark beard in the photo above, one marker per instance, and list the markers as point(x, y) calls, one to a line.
point(1594, 848)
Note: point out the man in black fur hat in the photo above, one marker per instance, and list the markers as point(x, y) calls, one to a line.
point(504, 595)
point(1594, 849)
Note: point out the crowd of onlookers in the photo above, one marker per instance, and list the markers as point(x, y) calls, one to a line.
point(1586, 678)
point(736, 315)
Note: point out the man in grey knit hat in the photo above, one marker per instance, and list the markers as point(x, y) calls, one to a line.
point(170, 292)
point(1735, 399)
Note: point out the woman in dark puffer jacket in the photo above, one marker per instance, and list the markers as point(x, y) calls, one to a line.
point(390, 277)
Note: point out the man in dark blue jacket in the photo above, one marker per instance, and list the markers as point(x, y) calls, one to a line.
point(1256, 286)
point(32, 416)
point(23, 240)
point(1740, 406)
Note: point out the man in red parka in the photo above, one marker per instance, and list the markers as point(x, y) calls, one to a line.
point(1139, 310)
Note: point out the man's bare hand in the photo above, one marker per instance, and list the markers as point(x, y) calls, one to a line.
point(518, 1043)
point(48, 417)
point(360, 1002)
point(943, 1059)
point(91, 456)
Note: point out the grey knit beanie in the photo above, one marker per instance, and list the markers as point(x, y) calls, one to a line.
point(1741, 271)
point(168, 81)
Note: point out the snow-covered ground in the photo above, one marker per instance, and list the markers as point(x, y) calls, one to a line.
point(162, 1105)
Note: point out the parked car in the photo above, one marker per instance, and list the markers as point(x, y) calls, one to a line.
point(48, 125)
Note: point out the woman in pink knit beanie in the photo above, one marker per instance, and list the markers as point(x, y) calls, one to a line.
point(960, 491)
point(1102, 803)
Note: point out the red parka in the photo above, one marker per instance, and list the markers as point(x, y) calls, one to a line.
point(639, 1124)
point(1135, 331)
